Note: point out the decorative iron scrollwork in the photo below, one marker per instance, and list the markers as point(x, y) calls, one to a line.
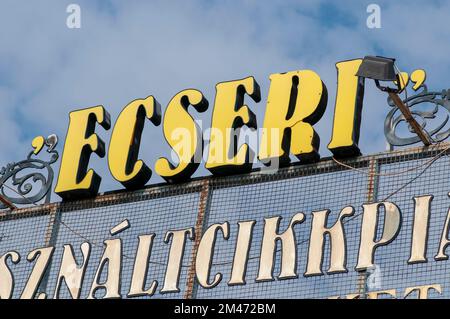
point(437, 100)
point(30, 181)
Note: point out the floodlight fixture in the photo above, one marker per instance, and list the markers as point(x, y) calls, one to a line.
point(383, 69)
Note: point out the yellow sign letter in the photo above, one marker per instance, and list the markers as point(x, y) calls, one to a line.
point(74, 180)
point(296, 101)
point(125, 141)
point(229, 115)
point(183, 135)
point(347, 110)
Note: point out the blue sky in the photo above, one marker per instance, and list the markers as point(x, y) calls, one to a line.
point(131, 49)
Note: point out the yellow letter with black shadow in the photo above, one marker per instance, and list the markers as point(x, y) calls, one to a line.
point(230, 114)
point(296, 101)
point(347, 110)
point(74, 180)
point(125, 141)
point(183, 135)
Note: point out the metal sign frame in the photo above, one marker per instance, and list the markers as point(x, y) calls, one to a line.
point(369, 165)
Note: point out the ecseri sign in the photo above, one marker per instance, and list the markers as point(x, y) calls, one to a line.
point(296, 101)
